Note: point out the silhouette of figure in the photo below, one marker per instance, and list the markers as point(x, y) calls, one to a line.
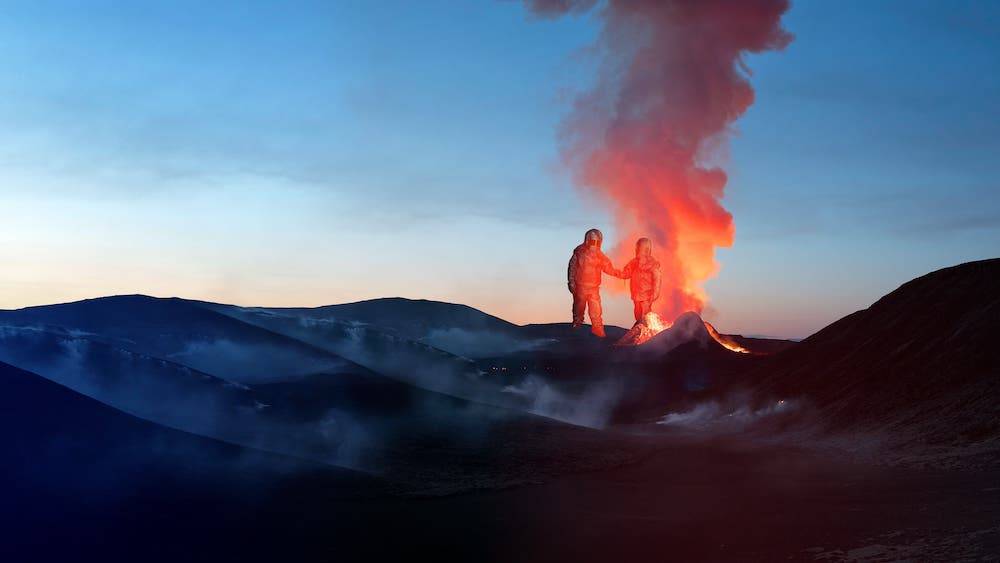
point(643, 273)
point(583, 278)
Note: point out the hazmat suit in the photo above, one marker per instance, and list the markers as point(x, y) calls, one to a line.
point(583, 277)
point(643, 273)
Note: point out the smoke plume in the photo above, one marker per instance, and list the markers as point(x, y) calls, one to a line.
point(650, 136)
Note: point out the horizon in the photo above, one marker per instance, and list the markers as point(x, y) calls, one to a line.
point(489, 313)
point(340, 153)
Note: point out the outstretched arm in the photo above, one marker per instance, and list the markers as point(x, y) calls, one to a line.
point(609, 269)
point(628, 271)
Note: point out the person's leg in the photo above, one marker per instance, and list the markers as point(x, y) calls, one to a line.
point(579, 304)
point(637, 310)
point(596, 319)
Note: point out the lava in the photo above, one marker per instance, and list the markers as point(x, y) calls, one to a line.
point(643, 331)
point(655, 324)
point(726, 341)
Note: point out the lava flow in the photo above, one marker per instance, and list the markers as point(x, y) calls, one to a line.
point(726, 341)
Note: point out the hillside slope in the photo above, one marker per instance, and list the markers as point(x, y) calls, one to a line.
point(184, 332)
point(924, 357)
point(92, 480)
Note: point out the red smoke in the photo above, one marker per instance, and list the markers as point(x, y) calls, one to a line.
point(648, 138)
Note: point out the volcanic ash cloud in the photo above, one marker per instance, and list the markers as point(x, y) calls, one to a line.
point(649, 138)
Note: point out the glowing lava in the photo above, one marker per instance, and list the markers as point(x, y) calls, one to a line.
point(643, 331)
point(724, 340)
point(654, 323)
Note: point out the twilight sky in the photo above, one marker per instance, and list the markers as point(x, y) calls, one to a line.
point(307, 153)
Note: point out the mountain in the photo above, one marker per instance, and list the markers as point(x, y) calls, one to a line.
point(457, 329)
point(923, 360)
point(675, 370)
point(349, 417)
point(183, 332)
point(176, 395)
point(552, 407)
point(419, 364)
point(411, 318)
point(92, 480)
point(379, 349)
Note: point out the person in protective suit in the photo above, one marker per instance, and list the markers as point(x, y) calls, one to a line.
point(583, 277)
point(643, 273)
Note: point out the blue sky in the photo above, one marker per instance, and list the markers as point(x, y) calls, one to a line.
point(318, 152)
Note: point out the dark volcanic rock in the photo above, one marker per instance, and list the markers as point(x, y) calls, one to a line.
point(924, 357)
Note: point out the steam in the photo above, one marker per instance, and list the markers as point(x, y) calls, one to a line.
point(258, 363)
point(430, 368)
point(480, 343)
point(179, 397)
point(729, 415)
point(592, 407)
point(650, 137)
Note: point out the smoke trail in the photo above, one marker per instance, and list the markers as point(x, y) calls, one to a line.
point(649, 137)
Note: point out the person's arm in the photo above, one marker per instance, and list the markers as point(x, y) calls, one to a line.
point(629, 270)
point(574, 264)
point(609, 269)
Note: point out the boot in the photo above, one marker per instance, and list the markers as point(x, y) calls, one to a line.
point(597, 330)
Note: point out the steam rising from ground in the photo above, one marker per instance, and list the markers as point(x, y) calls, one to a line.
point(650, 138)
point(430, 368)
point(178, 396)
point(592, 407)
point(730, 415)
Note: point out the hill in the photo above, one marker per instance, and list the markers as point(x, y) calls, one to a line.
point(94, 481)
point(923, 359)
point(184, 332)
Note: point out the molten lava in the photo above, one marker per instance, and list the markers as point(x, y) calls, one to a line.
point(726, 341)
point(654, 323)
point(643, 331)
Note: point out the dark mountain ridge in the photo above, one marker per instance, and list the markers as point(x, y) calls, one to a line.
point(182, 331)
point(924, 358)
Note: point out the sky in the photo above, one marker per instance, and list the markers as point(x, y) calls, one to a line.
point(309, 153)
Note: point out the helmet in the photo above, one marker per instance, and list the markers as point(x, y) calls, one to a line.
point(593, 238)
point(643, 246)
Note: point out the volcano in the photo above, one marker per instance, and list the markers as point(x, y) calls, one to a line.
point(655, 333)
point(314, 431)
point(922, 362)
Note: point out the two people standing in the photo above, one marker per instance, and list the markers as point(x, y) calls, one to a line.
point(586, 268)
